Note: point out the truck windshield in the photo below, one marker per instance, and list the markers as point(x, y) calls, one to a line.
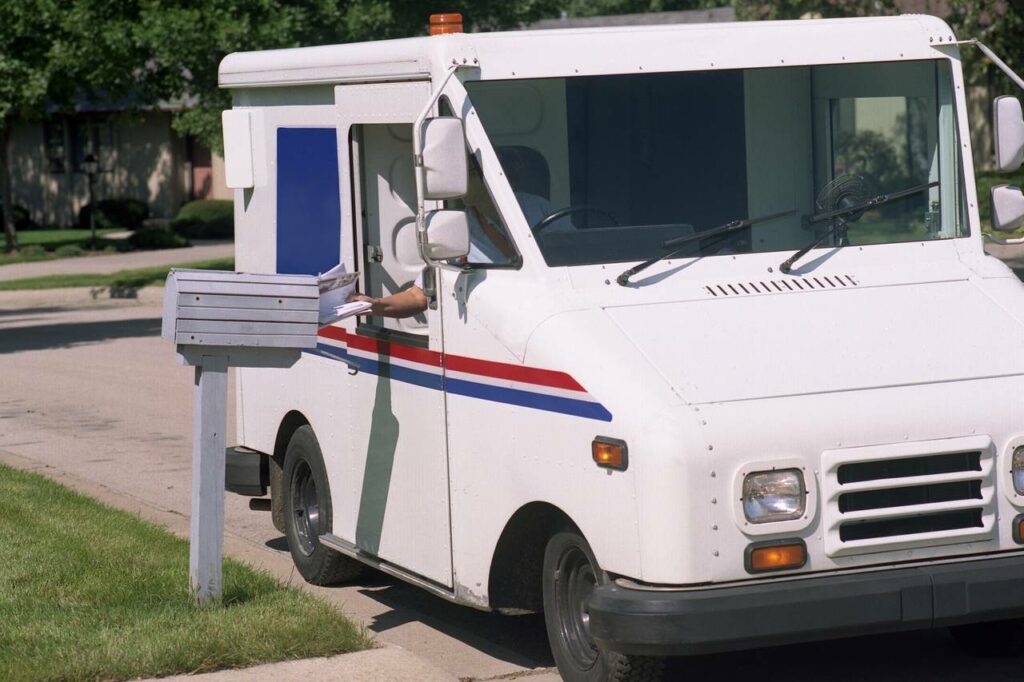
point(609, 168)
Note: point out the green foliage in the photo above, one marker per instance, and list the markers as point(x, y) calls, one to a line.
point(206, 219)
point(124, 213)
point(153, 238)
point(22, 219)
point(33, 251)
point(188, 39)
point(137, 278)
point(998, 24)
point(69, 251)
point(745, 9)
point(92, 593)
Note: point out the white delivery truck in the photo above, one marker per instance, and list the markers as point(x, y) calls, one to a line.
point(713, 356)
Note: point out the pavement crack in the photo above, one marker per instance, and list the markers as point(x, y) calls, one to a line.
point(517, 675)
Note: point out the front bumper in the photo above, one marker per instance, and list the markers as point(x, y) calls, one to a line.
point(783, 611)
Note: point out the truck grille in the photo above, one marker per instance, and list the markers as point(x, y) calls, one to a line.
point(908, 495)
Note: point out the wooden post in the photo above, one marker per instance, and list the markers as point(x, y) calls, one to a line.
point(206, 550)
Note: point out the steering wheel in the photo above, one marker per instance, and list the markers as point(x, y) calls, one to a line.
point(569, 210)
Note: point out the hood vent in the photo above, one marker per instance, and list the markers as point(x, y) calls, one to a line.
point(780, 286)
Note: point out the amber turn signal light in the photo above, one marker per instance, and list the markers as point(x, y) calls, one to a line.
point(445, 23)
point(775, 555)
point(610, 453)
point(1018, 529)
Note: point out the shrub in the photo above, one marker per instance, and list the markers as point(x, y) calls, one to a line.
point(22, 220)
point(33, 250)
point(153, 238)
point(206, 219)
point(69, 251)
point(125, 213)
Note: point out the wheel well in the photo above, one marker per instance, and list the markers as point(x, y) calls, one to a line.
point(514, 583)
point(291, 422)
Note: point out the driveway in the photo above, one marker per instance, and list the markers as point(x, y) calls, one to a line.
point(115, 262)
point(92, 397)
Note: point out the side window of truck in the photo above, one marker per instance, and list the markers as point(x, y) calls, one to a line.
point(384, 191)
point(490, 243)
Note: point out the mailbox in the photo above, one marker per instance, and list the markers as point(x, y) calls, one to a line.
point(213, 308)
point(218, 320)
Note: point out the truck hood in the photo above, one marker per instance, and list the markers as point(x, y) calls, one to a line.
point(760, 346)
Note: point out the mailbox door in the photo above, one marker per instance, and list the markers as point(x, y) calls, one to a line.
point(392, 498)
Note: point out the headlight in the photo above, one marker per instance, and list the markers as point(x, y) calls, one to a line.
point(1017, 469)
point(779, 495)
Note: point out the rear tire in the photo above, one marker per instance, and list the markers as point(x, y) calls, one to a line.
point(570, 574)
point(992, 639)
point(307, 513)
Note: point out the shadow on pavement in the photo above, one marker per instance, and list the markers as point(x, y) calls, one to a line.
point(520, 640)
point(48, 336)
point(12, 312)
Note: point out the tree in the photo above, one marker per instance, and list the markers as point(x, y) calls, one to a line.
point(24, 81)
point(53, 54)
point(188, 39)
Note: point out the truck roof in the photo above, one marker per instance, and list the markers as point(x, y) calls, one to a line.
point(617, 49)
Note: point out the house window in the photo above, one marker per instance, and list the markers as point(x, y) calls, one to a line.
point(56, 151)
point(89, 136)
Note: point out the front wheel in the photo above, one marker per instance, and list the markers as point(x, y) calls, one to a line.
point(570, 575)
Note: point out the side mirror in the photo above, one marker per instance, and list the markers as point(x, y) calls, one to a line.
point(1008, 124)
point(445, 170)
point(1007, 208)
point(447, 234)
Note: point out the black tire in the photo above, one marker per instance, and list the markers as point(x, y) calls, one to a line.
point(997, 638)
point(307, 513)
point(570, 574)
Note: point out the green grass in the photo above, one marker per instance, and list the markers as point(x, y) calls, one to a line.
point(133, 279)
point(91, 593)
point(51, 240)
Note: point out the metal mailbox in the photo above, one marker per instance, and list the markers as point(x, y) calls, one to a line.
point(218, 320)
point(214, 308)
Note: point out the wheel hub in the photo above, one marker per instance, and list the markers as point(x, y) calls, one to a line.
point(305, 508)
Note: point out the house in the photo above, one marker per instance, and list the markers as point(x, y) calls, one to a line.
point(140, 156)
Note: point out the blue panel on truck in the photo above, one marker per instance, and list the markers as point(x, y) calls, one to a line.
point(308, 200)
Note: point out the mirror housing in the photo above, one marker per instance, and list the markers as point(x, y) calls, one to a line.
point(447, 234)
point(445, 169)
point(1008, 124)
point(1007, 208)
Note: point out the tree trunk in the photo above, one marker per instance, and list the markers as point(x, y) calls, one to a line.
point(5, 189)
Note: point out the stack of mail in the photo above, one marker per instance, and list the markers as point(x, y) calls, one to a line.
point(336, 286)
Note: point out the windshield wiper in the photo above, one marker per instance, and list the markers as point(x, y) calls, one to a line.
point(731, 226)
point(787, 265)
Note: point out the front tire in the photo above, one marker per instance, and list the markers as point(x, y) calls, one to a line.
point(307, 513)
point(570, 575)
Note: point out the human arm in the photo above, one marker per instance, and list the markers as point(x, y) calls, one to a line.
point(408, 303)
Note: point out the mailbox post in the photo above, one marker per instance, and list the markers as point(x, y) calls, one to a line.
point(219, 320)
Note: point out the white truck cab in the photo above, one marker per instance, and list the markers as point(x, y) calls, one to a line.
point(721, 364)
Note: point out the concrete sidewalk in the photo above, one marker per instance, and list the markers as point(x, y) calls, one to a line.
point(106, 264)
point(386, 664)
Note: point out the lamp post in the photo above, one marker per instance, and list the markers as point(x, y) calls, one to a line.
point(91, 166)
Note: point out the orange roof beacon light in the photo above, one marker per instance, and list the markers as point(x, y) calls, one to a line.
point(441, 24)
